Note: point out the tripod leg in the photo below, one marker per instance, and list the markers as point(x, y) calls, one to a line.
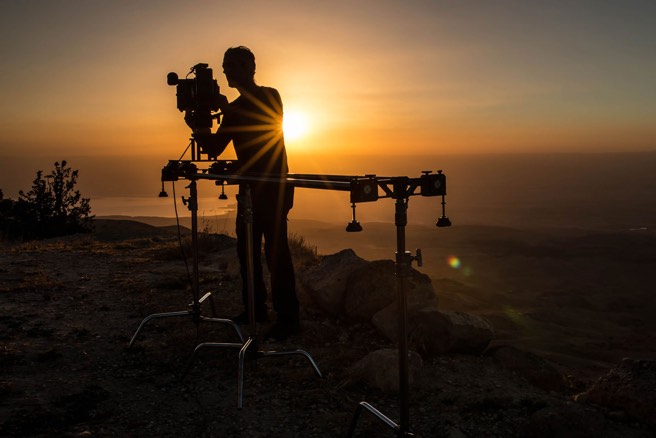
point(382, 417)
point(297, 352)
point(225, 321)
point(153, 316)
point(207, 345)
point(240, 373)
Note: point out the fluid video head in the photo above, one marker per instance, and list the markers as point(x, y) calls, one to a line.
point(197, 97)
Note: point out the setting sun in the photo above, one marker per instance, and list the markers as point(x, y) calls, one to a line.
point(295, 125)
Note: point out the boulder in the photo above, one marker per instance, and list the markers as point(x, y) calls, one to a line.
point(373, 286)
point(431, 331)
point(380, 369)
point(630, 387)
point(536, 370)
point(386, 321)
point(325, 283)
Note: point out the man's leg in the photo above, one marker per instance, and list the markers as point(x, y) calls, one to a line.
point(273, 218)
point(281, 268)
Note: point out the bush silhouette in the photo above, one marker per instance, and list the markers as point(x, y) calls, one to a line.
point(53, 207)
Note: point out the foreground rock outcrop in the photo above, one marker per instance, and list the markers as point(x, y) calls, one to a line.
point(431, 331)
point(373, 287)
point(326, 282)
point(630, 388)
point(351, 288)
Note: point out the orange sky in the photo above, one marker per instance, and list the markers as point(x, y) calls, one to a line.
point(372, 77)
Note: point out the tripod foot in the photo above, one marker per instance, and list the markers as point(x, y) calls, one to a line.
point(291, 352)
point(207, 345)
point(240, 373)
point(382, 417)
point(225, 321)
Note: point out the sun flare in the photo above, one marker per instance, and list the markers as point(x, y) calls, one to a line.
point(295, 125)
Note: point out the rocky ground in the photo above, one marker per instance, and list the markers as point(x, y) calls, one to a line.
point(69, 307)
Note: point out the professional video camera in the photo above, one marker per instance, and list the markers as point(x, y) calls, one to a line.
point(197, 97)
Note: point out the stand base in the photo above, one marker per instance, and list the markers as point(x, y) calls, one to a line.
point(194, 312)
point(244, 353)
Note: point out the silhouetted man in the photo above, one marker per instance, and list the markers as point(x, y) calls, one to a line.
point(253, 122)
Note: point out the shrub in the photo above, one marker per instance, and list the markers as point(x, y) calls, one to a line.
point(51, 208)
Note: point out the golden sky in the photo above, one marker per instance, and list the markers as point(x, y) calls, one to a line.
point(88, 77)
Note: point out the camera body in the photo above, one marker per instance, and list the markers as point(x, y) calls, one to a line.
point(198, 97)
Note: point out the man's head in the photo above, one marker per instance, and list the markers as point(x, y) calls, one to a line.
point(239, 66)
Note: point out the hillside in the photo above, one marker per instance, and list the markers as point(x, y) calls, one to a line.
point(71, 305)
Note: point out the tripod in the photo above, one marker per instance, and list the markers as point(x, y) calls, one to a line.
point(250, 348)
point(194, 310)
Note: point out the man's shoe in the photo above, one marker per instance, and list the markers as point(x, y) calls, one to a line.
point(282, 330)
point(243, 319)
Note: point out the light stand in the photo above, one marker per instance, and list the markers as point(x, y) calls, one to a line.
point(194, 309)
point(401, 192)
point(250, 348)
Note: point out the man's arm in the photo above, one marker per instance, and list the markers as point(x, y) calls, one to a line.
point(213, 144)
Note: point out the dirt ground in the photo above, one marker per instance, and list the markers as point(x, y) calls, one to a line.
point(69, 307)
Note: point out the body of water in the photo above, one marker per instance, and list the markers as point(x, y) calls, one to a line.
point(596, 191)
point(157, 207)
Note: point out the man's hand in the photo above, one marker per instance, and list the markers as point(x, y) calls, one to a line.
point(207, 143)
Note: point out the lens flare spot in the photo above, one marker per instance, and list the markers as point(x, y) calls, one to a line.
point(454, 262)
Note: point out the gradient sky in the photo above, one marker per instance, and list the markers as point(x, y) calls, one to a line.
point(88, 77)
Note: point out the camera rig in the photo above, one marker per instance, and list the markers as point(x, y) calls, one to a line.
point(198, 97)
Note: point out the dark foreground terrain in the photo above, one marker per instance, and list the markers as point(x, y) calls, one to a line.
point(69, 307)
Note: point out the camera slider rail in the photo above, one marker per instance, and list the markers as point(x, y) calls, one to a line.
point(362, 188)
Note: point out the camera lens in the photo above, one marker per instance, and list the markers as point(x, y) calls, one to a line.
point(172, 78)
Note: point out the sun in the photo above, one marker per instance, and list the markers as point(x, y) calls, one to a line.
point(294, 125)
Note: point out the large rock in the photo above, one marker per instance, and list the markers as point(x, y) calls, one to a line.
point(533, 368)
point(386, 321)
point(373, 287)
point(630, 387)
point(431, 331)
point(325, 283)
point(380, 369)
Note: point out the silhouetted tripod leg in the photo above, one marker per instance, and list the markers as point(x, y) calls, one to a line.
point(375, 412)
point(154, 316)
point(294, 352)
